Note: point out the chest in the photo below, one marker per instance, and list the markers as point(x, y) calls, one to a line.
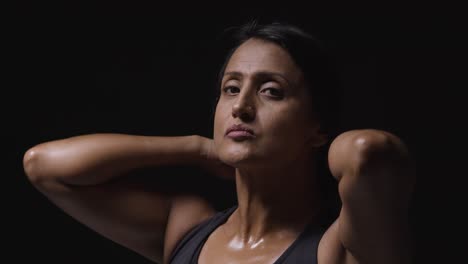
point(218, 249)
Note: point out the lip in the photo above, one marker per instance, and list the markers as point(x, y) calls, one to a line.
point(239, 131)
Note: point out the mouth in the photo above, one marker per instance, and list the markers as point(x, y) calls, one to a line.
point(239, 132)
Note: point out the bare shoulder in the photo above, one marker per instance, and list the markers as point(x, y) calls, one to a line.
point(186, 212)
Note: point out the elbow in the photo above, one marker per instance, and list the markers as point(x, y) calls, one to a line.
point(354, 149)
point(379, 157)
point(32, 164)
point(379, 148)
point(367, 150)
point(41, 170)
point(36, 161)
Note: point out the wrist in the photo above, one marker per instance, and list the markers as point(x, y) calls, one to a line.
point(196, 149)
point(203, 150)
point(188, 149)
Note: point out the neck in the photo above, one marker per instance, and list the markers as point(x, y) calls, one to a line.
point(274, 200)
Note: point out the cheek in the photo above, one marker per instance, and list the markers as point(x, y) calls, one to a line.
point(282, 119)
point(286, 127)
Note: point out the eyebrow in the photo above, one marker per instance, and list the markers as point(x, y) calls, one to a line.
point(260, 74)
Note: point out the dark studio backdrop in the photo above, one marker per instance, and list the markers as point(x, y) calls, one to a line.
point(148, 70)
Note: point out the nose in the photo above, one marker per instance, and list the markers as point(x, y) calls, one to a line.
point(244, 109)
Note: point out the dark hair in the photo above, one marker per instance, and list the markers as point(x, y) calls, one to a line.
point(317, 65)
point(321, 75)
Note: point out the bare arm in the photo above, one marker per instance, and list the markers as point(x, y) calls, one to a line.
point(375, 180)
point(94, 159)
point(81, 176)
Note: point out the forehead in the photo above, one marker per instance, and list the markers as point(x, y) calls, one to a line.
point(257, 55)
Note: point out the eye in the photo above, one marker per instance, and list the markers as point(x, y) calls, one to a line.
point(273, 92)
point(230, 90)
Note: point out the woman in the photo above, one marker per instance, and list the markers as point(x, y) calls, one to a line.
point(270, 123)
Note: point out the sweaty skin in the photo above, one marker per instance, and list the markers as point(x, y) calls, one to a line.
point(264, 90)
point(275, 174)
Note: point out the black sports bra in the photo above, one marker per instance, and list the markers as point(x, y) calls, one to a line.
point(302, 251)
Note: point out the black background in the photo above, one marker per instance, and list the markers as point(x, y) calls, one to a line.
point(148, 69)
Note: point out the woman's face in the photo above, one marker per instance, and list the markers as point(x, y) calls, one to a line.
point(263, 90)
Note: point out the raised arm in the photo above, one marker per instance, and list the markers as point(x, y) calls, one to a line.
point(81, 175)
point(375, 179)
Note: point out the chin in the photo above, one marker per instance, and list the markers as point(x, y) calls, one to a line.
point(235, 159)
point(239, 155)
point(245, 161)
